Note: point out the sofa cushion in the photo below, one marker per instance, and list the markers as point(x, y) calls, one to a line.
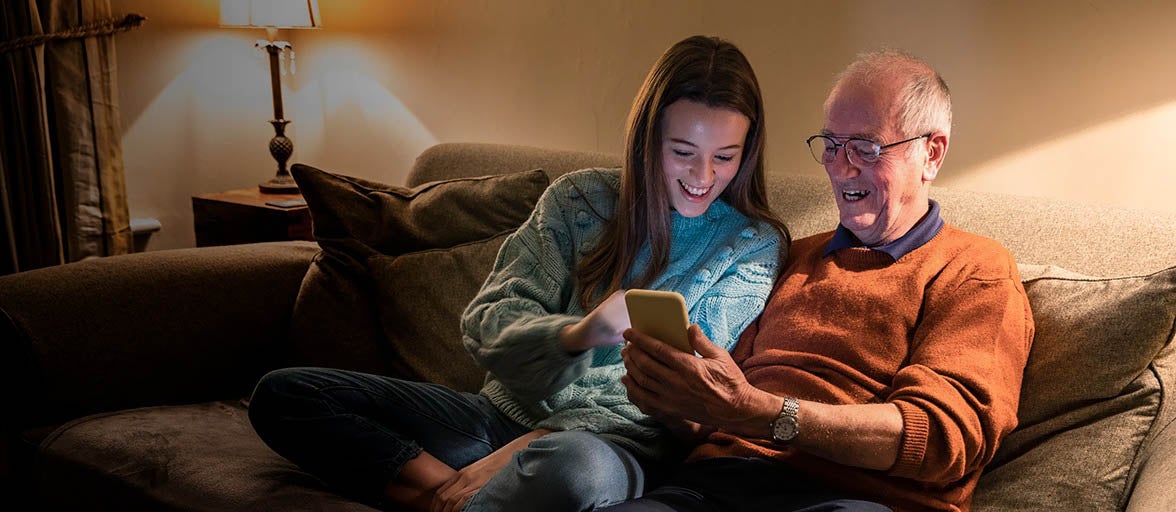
point(1097, 333)
point(192, 457)
point(1090, 394)
point(353, 214)
point(419, 313)
point(334, 322)
point(363, 226)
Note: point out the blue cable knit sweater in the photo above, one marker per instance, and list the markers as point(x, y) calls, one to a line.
point(721, 262)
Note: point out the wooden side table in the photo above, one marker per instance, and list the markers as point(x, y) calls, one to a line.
point(242, 216)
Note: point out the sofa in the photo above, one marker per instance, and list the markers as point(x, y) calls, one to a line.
point(125, 379)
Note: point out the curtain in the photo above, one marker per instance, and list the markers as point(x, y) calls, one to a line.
point(62, 188)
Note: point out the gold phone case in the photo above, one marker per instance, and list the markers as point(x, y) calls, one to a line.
point(660, 315)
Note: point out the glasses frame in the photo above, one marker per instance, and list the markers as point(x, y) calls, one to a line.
point(878, 148)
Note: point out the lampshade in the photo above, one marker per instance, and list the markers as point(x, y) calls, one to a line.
point(270, 13)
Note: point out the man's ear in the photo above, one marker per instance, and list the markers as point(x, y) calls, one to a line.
point(936, 151)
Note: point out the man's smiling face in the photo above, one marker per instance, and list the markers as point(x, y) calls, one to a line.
point(878, 203)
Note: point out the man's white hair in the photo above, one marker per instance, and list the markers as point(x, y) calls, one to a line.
point(924, 101)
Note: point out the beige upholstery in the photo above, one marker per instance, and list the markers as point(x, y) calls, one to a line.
point(144, 357)
point(1088, 239)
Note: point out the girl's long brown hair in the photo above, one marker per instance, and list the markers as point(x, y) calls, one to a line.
point(707, 70)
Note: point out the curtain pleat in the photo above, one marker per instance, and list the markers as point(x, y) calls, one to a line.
point(86, 133)
point(62, 183)
point(30, 227)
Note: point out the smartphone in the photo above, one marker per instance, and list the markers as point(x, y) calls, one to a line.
point(661, 315)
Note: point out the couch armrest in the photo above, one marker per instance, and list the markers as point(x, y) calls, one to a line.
point(1155, 483)
point(143, 329)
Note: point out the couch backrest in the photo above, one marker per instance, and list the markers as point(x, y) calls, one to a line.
point(1089, 239)
point(1103, 351)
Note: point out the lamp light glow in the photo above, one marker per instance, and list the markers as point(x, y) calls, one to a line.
point(273, 15)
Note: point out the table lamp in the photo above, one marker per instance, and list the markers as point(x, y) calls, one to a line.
point(273, 15)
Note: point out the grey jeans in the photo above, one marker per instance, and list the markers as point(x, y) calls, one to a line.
point(356, 431)
point(738, 484)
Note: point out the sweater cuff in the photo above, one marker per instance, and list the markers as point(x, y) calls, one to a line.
point(913, 446)
point(548, 328)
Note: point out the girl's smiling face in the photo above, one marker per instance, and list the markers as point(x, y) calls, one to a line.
point(701, 150)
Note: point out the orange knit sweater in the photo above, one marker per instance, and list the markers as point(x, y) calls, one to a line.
point(943, 333)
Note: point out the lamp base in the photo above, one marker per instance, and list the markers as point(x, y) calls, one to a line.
point(280, 184)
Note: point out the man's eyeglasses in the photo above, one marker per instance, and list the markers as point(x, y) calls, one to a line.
point(861, 152)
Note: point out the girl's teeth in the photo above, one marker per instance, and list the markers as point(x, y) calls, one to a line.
point(694, 191)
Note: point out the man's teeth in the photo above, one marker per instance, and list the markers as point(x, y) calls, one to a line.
point(694, 191)
point(854, 195)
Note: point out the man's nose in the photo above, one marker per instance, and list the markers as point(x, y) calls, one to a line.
point(841, 167)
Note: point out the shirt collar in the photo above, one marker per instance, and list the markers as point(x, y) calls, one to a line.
point(922, 232)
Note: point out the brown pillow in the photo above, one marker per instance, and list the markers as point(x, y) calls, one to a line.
point(420, 313)
point(336, 317)
point(334, 324)
point(1089, 396)
point(1094, 336)
point(347, 213)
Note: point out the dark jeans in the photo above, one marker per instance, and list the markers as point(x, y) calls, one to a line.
point(357, 431)
point(729, 484)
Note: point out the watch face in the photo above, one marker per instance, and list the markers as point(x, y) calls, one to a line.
point(784, 429)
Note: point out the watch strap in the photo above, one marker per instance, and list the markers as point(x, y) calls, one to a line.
point(789, 412)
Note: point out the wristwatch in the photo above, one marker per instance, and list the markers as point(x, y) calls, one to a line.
point(785, 426)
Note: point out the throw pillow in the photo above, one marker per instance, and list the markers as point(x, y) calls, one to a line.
point(420, 313)
point(1089, 396)
point(354, 214)
point(1093, 335)
point(362, 225)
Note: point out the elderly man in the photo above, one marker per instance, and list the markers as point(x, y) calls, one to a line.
point(886, 367)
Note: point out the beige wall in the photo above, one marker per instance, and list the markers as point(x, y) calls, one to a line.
point(1064, 99)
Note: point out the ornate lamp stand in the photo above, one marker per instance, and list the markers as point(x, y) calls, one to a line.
point(281, 147)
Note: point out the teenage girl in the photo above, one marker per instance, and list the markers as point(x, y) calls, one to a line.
point(553, 429)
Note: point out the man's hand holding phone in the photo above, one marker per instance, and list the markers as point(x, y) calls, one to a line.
point(696, 390)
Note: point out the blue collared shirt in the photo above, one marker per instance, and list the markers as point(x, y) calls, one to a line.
point(920, 234)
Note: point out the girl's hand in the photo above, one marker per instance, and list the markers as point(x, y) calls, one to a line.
point(600, 328)
point(452, 495)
